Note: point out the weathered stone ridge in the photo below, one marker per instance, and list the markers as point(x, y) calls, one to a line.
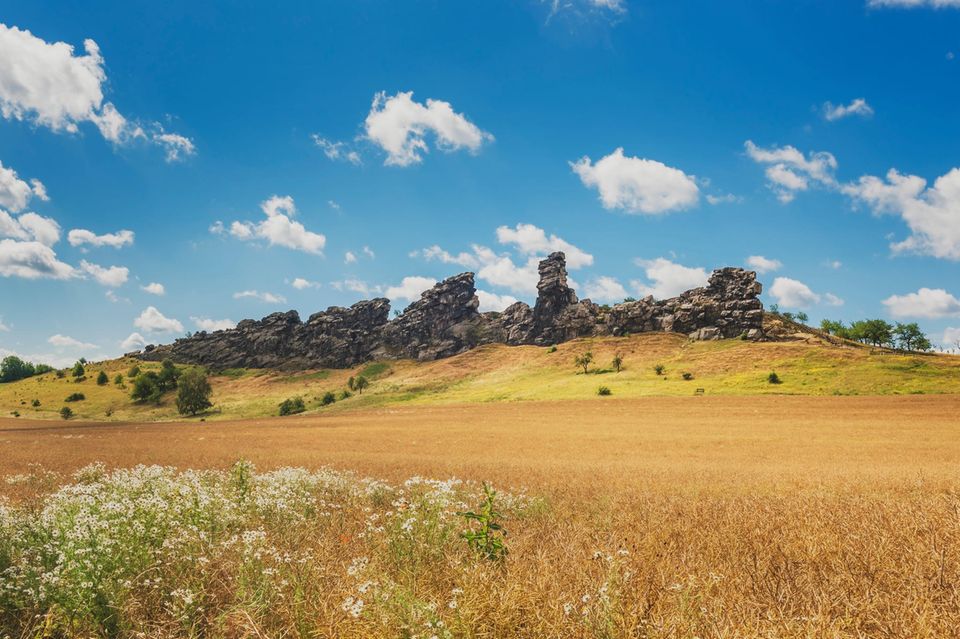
point(445, 321)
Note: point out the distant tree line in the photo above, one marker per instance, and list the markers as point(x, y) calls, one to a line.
point(13, 368)
point(878, 332)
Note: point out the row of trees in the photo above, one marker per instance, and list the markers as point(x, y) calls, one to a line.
point(13, 368)
point(880, 332)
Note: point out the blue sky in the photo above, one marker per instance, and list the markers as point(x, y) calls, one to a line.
point(235, 154)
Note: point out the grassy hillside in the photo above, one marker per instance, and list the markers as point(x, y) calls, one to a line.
point(501, 373)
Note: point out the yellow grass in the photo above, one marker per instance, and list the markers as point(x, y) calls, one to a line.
point(656, 517)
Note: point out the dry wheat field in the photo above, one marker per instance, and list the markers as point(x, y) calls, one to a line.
point(658, 517)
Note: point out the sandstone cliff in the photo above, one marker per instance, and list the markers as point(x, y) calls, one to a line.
point(445, 321)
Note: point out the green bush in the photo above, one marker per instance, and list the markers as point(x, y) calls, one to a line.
point(773, 378)
point(292, 406)
point(552, 349)
point(687, 376)
point(346, 395)
point(102, 379)
point(659, 369)
point(75, 397)
point(35, 403)
point(603, 390)
point(328, 398)
point(66, 412)
point(78, 370)
point(133, 372)
point(193, 394)
point(118, 380)
point(146, 388)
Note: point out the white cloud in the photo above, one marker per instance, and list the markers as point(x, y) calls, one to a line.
point(605, 289)
point(833, 112)
point(334, 205)
point(793, 293)
point(410, 288)
point(53, 359)
point(728, 198)
point(337, 150)
point(500, 270)
point(43, 229)
point(269, 298)
point(112, 276)
point(832, 300)
point(154, 288)
point(933, 214)
point(637, 185)
point(355, 286)
point(46, 84)
point(835, 264)
point(789, 171)
point(31, 260)
point(300, 284)
point(398, 125)
point(763, 264)
point(211, 325)
point(133, 342)
point(278, 229)
point(65, 341)
point(79, 237)
point(668, 279)
point(532, 240)
point(349, 258)
point(16, 193)
point(467, 260)
point(493, 302)
point(951, 337)
point(176, 146)
point(369, 252)
point(913, 4)
point(153, 321)
point(929, 303)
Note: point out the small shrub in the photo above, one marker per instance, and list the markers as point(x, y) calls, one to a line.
point(15, 413)
point(292, 406)
point(102, 379)
point(35, 403)
point(108, 412)
point(618, 362)
point(66, 412)
point(328, 398)
point(78, 370)
point(75, 397)
point(687, 376)
point(487, 540)
point(604, 390)
point(552, 349)
point(346, 395)
point(773, 378)
point(133, 372)
point(118, 380)
point(61, 374)
point(659, 369)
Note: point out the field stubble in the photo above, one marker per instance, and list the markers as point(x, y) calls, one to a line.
point(661, 517)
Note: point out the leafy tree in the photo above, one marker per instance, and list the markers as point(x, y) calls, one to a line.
point(193, 394)
point(360, 383)
point(133, 372)
point(169, 373)
point(583, 361)
point(802, 317)
point(328, 398)
point(78, 370)
point(909, 337)
point(292, 406)
point(40, 369)
point(118, 380)
point(835, 328)
point(102, 379)
point(13, 368)
point(618, 362)
point(775, 309)
point(872, 331)
point(351, 383)
point(146, 388)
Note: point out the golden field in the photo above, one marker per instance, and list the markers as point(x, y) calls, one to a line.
point(715, 516)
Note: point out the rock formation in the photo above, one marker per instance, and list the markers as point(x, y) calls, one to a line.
point(445, 321)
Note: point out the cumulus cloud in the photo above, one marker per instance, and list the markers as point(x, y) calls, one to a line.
point(951, 337)
point(728, 198)
point(932, 214)
point(176, 146)
point(154, 288)
point(31, 260)
point(300, 284)
point(532, 240)
point(349, 258)
point(833, 112)
point(65, 341)
point(789, 171)
point(928, 303)
point(493, 302)
point(80, 237)
point(763, 264)
point(667, 279)
point(112, 276)
point(211, 325)
point(279, 229)
point(337, 150)
point(832, 300)
point(133, 342)
point(49, 85)
point(153, 321)
point(369, 252)
point(269, 298)
point(16, 193)
point(793, 293)
point(410, 288)
point(354, 286)
point(637, 185)
point(399, 125)
point(605, 289)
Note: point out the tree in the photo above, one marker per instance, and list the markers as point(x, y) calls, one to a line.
point(909, 337)
point(618, 362)
point(193, 394)
point(133, 372)
point(78, 370)
point(169, 373)
point(102, 379)
point(351, 382)
point(583, 361)
point(292, 406)
point(13, 368)
point(146, 388)
point(118, 380)
point(360, 383)
point(872, 331)
point(802, 317)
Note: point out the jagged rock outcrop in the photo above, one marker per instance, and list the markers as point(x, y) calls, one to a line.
point(445, 321)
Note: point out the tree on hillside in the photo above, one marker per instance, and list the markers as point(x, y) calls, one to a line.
point(146, 388)
point(360, 383)
point(802, 317)
point(133, 372)
point(909, 337)
point(102, 379)
point(193, 394)
point(13, 368)
point(873, 331)
point(583, 361)
point(169, 373)
point(78, 370)
point(618, 362)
